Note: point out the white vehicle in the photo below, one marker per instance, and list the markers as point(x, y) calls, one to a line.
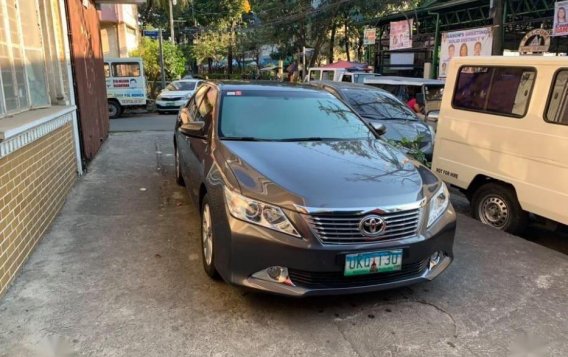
point(428, 91)
point(503, 137)
point(126, 85)
point(175, 95)
point(338, 75)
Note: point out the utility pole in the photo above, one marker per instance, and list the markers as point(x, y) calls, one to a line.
point(497, 9)
point(162, 71)
point(171, 3)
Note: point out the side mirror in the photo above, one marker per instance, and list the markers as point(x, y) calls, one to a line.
point(433, 116)
point(193, 129)
point(379, 128)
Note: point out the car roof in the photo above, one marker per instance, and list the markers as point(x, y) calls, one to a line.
point(264, 86)
point(409, 81)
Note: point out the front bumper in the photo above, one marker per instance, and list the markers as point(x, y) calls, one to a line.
point(167, 105)
point(317, 269)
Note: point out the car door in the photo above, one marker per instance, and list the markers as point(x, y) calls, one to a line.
point(185, 139)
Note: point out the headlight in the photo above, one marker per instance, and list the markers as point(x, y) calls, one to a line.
point(189, 95)
point(259, 213)
point(438, 204)
point(159, 97)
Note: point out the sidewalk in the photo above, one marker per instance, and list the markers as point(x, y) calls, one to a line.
point(119, 274)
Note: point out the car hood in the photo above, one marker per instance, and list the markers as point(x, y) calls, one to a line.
point(326, 175)
point(176, 93)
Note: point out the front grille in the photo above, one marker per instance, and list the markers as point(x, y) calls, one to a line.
point(317, 280)
point(338, 229)
point(170, 99)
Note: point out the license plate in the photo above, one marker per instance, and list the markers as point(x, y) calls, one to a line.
point(171, 105)
point(373, 262)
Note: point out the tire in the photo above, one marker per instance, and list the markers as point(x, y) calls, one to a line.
point(207, 241)
point(114, 109)
point(161, 113)
point(497, 205)
point(179, 177)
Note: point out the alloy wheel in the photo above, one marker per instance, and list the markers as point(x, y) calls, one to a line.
point(207, 235)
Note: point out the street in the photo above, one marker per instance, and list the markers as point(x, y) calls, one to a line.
point(119, 273)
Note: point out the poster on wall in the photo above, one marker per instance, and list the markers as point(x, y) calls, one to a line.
point(560, 23)
point(472, 42)
point(401, 35)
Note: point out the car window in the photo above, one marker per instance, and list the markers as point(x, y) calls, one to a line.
point(327, 75)
point(346, 78)
point(377, 104)
point(315, 75)
point(557, 111)
point(288, 115)
point(495, 90)
point(207, 107)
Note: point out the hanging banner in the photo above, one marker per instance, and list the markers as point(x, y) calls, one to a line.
point(369, 36)
point(560, 23)
point(401, 34)
point(473, 42)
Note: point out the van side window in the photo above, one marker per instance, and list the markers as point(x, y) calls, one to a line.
point(126, 69)
point(557, 111)
point(495, 90)
point(315, 75)
point(346, 78)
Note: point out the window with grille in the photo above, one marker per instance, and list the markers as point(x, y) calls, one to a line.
point(23, 82)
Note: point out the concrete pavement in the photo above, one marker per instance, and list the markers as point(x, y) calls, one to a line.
point(143, 122)
point(119, 274)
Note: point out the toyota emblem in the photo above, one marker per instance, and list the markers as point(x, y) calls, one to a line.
point(372, 226)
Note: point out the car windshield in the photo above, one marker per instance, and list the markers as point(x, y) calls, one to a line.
point(288, 116)
point(175, 86)
point(377, 104)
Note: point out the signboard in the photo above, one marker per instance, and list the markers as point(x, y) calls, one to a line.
point(369, 36)
point(401, 34)
point(535, 42)
point(472, 42)
point(560, 19)
point(153, 34)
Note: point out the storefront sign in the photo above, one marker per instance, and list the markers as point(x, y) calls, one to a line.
point(401, 34)
point(473, 42)
point(369, 36)
point(560, 19)
point(535, 42)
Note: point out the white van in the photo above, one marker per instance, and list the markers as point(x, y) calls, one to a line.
point(126, 85)
point(503, 137)
point(338, 75)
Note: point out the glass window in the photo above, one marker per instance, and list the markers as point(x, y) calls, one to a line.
point(498, 90)
point(315, 75)
point(327, 75)
point(346, 78)
point(557, 111)
point(376, 104)
point(289, 116)
point(130, 69)
point(107, 70)
point(181, 86)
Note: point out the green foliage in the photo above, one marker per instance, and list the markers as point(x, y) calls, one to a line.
point(174, 59)
point(412, 149)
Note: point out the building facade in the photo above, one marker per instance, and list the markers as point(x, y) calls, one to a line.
point(119, 29)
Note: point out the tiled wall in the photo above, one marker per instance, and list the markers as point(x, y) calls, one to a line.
point(34, 181)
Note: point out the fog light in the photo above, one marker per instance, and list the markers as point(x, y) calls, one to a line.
point(279, 274)
point(435, 258)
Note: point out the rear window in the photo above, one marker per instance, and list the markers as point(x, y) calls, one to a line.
point(557, 111)
point(494, 90)
point(376, 104)
point(288, 115)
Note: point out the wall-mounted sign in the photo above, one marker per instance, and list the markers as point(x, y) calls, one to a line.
point(535, 42)
point(401, 34)
point(560, 19)
point(472, 42)
point(369, 36)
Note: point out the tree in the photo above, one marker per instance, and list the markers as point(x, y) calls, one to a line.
point(174, 60)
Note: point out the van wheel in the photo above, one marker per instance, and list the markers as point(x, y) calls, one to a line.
point(114, 109)
point(497, 205)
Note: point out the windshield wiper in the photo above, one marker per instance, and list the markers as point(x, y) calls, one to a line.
point(241, 138)
point(367, 116)
point(313, 138)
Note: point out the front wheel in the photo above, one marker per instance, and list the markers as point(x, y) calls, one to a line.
point(207, 241)
point(114, 109)
point(497, 205)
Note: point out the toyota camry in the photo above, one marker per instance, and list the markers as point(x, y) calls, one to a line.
point(299, 196)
